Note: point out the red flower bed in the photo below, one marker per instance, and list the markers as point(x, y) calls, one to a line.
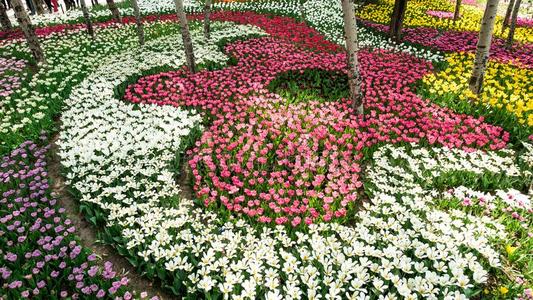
point(298, 163)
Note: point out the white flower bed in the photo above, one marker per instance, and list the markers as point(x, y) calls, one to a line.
point(427, 164)
point(117, 157)
point(145, 7)
point(70, 58)
point(66, 64)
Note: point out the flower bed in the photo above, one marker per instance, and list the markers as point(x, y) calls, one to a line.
point(40, 256)
point(289, 166)
point(30, 109)
point(294, 164)
point(231, 155)
point(459, 41)
point(506, 88)
point(195, 251)
point(440, 14)
point(416, 16)
point(10, 70)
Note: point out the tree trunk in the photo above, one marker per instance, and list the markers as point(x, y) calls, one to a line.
point(457, 12)
point(483, 46)
point(28, 30)
point(507, 15)
point(87, 18)
point(114, 10)
point(207, 13)
point(186, 36)
point(138, 21)
point(4, 19)
point(39, 6)
point(512, 27)
point(397, 17)
point(352, 47)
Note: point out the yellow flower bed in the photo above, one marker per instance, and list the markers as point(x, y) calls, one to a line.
point(415, 16)
point(505, 86)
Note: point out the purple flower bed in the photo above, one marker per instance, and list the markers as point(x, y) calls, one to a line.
point(40, 256)
point(10, 69)
point(462, 41)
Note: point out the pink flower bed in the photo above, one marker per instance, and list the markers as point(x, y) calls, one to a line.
point(524, 22)
point(298, 164)
point(467, 2)
point(463, 41)
point(440, 14)
point(470, 2)
point(280, 163)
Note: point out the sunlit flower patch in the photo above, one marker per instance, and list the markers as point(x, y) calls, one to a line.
point(506, 87)
point(416, 16)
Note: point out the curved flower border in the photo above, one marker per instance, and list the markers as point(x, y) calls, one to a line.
point(117, 158)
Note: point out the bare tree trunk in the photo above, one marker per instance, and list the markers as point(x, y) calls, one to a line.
point(186, 36)
point(4, 19)
point(207, 24)
point(138, 21)
point(39, 6)
point(397, 17)
point(508, 15)
point(28, 30)
point(87, 18)
point(512, 28)
point(352, 47)
point(457, 12)
point(483, 46)
point(114, 10)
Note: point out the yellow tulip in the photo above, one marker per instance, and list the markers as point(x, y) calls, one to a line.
point(503, 290)
point(510, 249)
point(505, 85)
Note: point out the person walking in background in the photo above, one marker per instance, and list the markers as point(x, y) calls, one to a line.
point(31, 6)
point(48, 5)
point(70, 4)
